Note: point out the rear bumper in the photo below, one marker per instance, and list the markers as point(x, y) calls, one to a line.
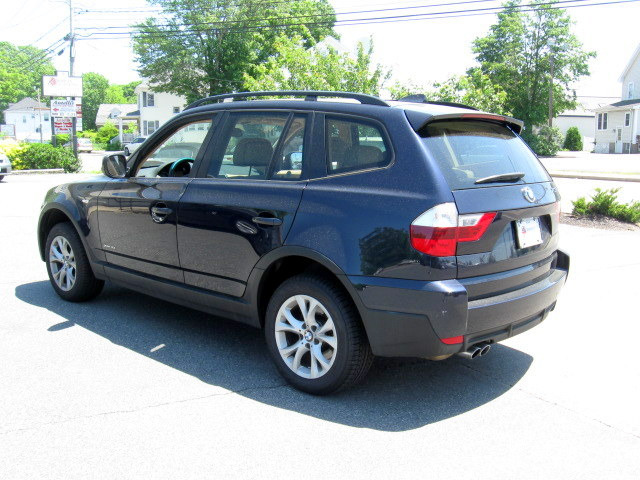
point(406, 318)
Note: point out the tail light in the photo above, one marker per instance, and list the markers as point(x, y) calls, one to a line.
point(438, 231)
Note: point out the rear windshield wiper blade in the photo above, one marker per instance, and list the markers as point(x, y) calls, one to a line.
point(502, 177)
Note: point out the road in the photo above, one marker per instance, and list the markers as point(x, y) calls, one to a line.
point(127, 386)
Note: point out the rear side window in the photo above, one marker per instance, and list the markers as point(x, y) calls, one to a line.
point(354, 145)
point(468, 151)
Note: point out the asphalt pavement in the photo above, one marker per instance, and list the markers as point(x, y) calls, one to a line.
point(127, 386)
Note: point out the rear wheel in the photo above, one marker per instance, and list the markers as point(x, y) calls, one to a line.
point(1, 177)
point(68, 266)
point(315, 336)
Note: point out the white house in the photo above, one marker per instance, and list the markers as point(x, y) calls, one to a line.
point(30, 118)
point(618, 124)
point(156, 107)
point(111, 112)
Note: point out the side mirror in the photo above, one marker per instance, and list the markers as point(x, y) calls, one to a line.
point(114, 165)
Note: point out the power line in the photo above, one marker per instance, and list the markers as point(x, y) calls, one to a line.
point(315, 15)
point(360, 21)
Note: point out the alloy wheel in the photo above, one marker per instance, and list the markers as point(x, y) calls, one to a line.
point(62, 262)
point(306, 336)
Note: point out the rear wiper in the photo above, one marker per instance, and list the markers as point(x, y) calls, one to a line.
point(502, 177)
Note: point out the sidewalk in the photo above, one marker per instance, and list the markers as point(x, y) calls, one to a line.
point(594, 166)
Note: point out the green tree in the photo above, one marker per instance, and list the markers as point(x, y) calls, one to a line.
point(95, 87)
point(203, 47)
point(474, 89)
point(21, 71)
point(518, 54)
point(294, 67)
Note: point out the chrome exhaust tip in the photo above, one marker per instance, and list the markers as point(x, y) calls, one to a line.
point(471, 353)
point(484, 349)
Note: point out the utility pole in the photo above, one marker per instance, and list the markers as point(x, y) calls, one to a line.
point(74, 141)
point(552, 43)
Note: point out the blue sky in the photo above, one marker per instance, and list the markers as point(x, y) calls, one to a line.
point(420, 51)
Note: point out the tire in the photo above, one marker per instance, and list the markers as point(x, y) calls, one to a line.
point(68, 266)
point(126, 151)
point(1, 177)
point(334, 341)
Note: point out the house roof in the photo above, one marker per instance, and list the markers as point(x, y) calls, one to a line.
point(633, 59)
point(26, 104)
point(622, 105)
point(626, 102)
point(128, 112)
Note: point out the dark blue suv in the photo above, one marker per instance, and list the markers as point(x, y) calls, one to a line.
point(343, 225)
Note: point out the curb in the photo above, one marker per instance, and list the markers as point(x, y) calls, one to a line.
point(595, 176)
point(40, 171)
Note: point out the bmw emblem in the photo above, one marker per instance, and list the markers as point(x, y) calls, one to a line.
point(528, 195)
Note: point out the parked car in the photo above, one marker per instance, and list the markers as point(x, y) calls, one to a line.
point(84, 144)
point(129, 148)
point(343, 230)
point(5, 166)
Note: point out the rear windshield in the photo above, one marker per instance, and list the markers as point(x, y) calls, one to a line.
point(468, 151)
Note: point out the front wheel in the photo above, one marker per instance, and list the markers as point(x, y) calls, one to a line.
point(315, 336)
point(68, 266)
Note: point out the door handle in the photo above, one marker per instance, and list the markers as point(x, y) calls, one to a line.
point(160, 212)
point(267, 221)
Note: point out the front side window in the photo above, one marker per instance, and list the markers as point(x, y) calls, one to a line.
point(250, 141)
point(355, 145)
point(175, 156)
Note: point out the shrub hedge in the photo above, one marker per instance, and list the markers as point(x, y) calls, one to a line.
point(573, 140)
point(44, 155)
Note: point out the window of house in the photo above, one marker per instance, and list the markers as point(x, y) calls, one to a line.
point(630, 90)
point(627, 119)
point(250, 143)
point(24, 119)
point(148, 99)
point(46, 117)
point(354, 145)
point(150, 126)
point(602, 121)
point(619, 134)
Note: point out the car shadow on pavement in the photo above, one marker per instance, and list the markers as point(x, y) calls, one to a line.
point(397, 395)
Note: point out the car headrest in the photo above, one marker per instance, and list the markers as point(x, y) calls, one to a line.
point(252, 152)
point(362, 155)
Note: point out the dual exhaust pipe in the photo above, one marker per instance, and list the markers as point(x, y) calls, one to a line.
point(475, 351)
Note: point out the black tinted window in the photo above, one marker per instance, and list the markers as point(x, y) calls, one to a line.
point(354, 145)
point(467, 151)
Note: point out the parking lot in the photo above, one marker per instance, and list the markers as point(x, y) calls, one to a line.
point(127, 386)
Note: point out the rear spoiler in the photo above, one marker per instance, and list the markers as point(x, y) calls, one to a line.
point(419, 120)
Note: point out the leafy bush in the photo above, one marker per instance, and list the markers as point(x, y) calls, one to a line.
point(61, 139)
point(113, 147)
point(546, 142)
point(605, 202)
point(11, 148)
point(44, 155)
point(573, 140)
point(106, 133)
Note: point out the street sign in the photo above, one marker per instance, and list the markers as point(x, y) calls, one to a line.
point(63, 108)
point(61, 85)
point(62, 125)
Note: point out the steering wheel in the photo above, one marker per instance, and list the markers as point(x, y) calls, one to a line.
point(178, 163)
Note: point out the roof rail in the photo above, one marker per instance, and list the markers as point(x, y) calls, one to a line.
point(310, 95)
point(420, 98)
